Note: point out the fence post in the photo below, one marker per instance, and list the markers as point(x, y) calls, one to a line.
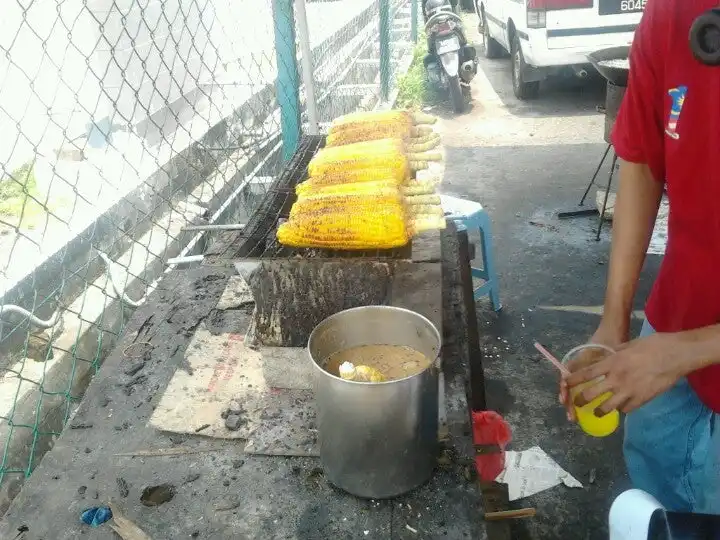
point(414, 20)
point(307, 67)
point(287, 85)
point(384, 50)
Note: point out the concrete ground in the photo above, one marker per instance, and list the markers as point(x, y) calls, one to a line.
point(525, 162)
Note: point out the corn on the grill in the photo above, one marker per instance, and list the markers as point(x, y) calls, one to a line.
point(359, 196)
point(367, 161)
point(365, 126)
point(309, 187)
point(383, 200)
point(366, 229)
point(383, 117)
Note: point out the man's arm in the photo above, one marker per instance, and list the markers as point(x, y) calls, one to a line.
point(639, 141)
point(636, 208)
point(645, 368)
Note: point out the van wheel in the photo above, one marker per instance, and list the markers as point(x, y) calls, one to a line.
point(522, 90)
point(492, 48)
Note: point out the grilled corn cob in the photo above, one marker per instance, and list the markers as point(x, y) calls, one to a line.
point(365, 126)
point(343, 230)
point(367, 161)
point(355, 223)
point(386, 199)
point(309, 187)
point(383, 117)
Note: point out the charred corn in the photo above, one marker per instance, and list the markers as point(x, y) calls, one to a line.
point(383, 117)
point(309, 187)
point(344, 230)
point(385, 153)
point(367, 161)
point(366, 126)
point(386, 199)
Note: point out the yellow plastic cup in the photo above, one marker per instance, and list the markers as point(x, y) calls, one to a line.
point(595, 426)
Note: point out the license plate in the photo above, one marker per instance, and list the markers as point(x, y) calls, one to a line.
point(448, 45)
point(619, 7)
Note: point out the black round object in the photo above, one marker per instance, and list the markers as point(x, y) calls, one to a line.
point(705, 38)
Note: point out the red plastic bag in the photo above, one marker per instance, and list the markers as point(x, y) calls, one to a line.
point(491, 434)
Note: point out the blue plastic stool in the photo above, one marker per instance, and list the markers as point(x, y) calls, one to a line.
point(471, 215)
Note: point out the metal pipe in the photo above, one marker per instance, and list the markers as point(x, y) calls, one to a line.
point(115, 282)
point(229, 227)
point(33, 319)
point(186, 259)
point(384, 50)
point(287, 84)
point(414, 20)
point(307, 67)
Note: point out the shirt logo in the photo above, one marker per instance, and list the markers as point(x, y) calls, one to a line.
point(678, 100)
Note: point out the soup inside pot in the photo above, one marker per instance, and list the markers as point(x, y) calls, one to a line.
point(393, 362)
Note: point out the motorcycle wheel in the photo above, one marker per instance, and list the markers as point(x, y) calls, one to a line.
point(456, 95)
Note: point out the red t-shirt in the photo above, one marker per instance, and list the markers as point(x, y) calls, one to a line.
point(670, 120)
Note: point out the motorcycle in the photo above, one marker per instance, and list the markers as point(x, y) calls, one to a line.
point(450, 63)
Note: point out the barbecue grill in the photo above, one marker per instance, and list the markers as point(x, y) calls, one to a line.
point(258, 238)
point(613, 64)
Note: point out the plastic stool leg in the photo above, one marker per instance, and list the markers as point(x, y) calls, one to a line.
point(486, 245)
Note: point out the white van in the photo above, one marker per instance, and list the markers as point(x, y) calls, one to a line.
point(545, 36)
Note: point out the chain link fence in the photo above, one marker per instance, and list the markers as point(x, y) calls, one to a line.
point(122, 122)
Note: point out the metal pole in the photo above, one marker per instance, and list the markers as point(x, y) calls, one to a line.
point(414, 20)
point(307, 67)
point(287, 85)
point(384, 50)
point(229, 227)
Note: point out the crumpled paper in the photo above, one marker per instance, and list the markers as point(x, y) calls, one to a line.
point(532, 471)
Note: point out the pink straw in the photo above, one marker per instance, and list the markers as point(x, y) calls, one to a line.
point(554, 361)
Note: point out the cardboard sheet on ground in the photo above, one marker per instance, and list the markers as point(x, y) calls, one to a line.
point(272, 387)
point(532, 471)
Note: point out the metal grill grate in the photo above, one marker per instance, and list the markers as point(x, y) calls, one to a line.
point(258, 240)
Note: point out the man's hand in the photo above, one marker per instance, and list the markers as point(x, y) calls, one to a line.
point(641, 370)
point(607, 334)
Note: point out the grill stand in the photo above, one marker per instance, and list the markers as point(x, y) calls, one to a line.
point(613, 99)
point(591, 211)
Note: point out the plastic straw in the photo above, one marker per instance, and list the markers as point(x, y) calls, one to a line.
point(554, 361)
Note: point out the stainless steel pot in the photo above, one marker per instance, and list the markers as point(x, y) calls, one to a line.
point(377, 440)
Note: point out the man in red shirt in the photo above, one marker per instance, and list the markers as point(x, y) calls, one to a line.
point(667, 381)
